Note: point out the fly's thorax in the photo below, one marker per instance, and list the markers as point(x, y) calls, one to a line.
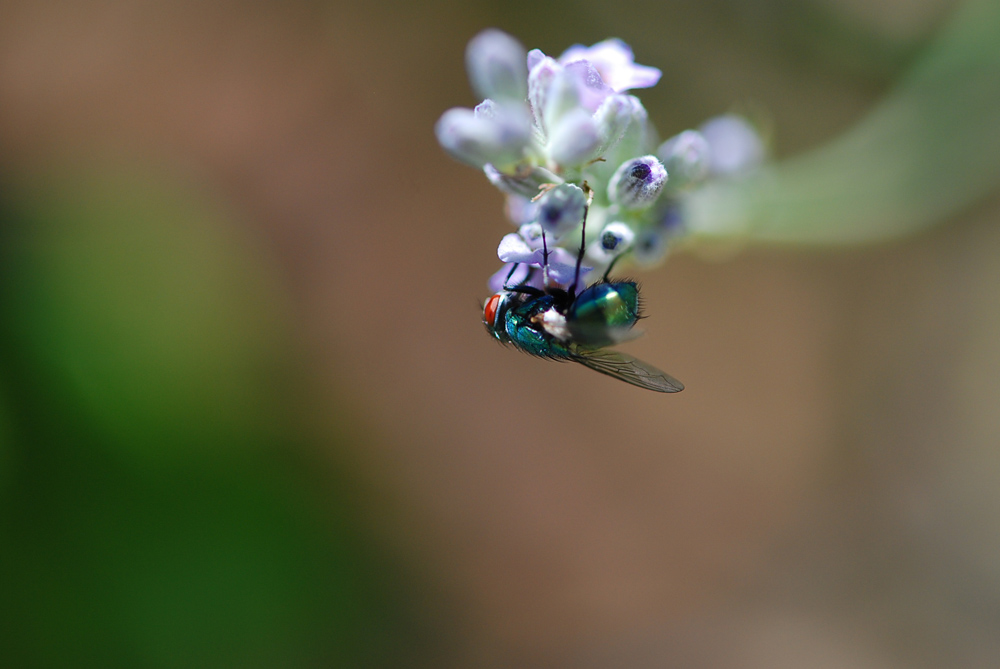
point(535, 324)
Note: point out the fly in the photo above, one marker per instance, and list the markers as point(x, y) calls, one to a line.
point(561, 324)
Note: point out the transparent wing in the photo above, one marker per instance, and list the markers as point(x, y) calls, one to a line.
point(590, 334)
point(628, 369)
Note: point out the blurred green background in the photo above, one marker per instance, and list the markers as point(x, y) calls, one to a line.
point(248, 416)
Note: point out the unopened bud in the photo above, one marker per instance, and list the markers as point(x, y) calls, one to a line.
point(490, 134)
point(637, 182)
point(496, 65)
point(561, 209)
point(686, 158)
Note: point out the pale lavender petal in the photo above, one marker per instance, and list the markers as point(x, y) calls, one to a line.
point(616, 64)
point(591, 88)
point(534, 279)
point(535, 56)
point(486, 109)
point(562, 266)
point(496, 65)
point(562, 263)
point(514, 249)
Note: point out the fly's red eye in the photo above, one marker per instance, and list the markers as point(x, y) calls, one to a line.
point(490, 310)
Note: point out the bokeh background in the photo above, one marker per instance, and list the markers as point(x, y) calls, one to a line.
point(249, 417)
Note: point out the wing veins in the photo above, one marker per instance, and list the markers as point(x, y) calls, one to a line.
point(628, 369)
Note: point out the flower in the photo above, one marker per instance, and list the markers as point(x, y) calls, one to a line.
point(578, 160)
point(613, 60)
point(514, 248)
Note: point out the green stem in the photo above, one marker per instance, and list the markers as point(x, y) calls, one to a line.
point(929, 149)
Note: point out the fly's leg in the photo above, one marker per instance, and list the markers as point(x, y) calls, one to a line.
point(525, 290)
point(611, 266)
point(583, 239)
point(545, 262)
point(510, 274)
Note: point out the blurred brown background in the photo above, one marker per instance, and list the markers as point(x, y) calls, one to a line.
point(249, 416)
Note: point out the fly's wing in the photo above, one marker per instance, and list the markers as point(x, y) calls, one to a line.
point(628, 369)
point(594, 335)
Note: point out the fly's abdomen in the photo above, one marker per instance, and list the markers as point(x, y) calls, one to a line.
point(614, 305)
point(600, 313)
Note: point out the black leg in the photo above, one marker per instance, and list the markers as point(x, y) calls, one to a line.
point(583, 239)
point(545, 262)
point(526, 290)
point(510, 274)
point(611, 266)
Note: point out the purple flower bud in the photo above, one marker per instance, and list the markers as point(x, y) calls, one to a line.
point(561, 210)
point(492, 134)
point(686, 158)
point(496, 65)
point(637, 182)
point(734, 144)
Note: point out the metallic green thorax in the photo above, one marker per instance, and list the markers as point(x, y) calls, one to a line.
point(522, 331)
